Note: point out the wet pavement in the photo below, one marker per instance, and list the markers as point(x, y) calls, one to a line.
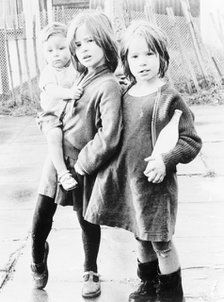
point(199, 233)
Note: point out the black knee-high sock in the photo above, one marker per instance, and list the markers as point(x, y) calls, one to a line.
point(41, 226)
point(91, 235)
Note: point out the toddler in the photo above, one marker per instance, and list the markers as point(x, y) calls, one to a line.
point(57, 84)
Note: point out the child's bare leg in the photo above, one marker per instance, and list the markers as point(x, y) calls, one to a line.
point(54, 141)
point(170, 280)
point(167, 256)
point(147, 271)
point(146, 252)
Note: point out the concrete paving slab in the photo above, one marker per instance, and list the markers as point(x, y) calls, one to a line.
point(207, 284)
point(213, 156)
point(65, 266)
point(200, 221)
point(201, 189)
point(208, 122)
point(23, 196)
point(196, 167)
point(117, 265)
point(199, 231)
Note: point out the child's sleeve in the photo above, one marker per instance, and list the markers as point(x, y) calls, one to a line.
point(47, 77)
point(105, 142)
point(189, 143)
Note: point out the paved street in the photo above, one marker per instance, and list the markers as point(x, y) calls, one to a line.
point(199, 233)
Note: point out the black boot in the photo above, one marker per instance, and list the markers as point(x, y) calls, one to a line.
point(146, 292)
point(170, 288)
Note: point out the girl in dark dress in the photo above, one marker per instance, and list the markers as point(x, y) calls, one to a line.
point(91, 130)
point(136, 191)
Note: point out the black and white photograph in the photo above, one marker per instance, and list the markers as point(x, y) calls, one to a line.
point(112, 188)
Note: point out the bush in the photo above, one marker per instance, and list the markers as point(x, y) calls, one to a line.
point(213, 96)
point(24, 105)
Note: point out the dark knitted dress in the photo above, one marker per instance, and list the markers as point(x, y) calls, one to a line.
point(122, 196)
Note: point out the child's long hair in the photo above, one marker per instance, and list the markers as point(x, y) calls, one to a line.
point(155, 39)
point(100, 27)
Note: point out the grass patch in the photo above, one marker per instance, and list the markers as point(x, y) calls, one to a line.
point(23, 105)
point(210, 96)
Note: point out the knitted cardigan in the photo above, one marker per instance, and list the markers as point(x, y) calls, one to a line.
point(121, 199)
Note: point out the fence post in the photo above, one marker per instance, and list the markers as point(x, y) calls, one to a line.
point(63, 15)
point(115, 11)
point(58, 19)
point(19, 61)
point(49, 11)
point(211, 61)
point(182, 51)
point(44, 19)
point(150, 16)
point(197, 51)
point(149, 13)
point(3, 70)
point(9, 65)
point(35, 47)
point(127, 13)
point(26, 59)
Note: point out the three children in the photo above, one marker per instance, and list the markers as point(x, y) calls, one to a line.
point(121, 184)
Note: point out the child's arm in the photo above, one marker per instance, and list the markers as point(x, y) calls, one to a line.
point(109, 122)
point(52, 91)
point(58, 92)
point(186, 149)
point(188, 145)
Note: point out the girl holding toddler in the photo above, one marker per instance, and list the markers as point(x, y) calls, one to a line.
point(91, 134)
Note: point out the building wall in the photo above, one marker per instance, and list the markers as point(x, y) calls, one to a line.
point(159, 6)
point(71, 3)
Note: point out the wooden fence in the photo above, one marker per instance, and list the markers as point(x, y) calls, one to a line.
point(193, 63)
point(17, 53)
point(193, 66)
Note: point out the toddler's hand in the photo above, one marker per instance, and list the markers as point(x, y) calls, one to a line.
point(155, 170)
point(76, 92)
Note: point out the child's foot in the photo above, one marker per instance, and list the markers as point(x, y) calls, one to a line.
point(40, 271)
point(67, 181)
point(91, 285)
